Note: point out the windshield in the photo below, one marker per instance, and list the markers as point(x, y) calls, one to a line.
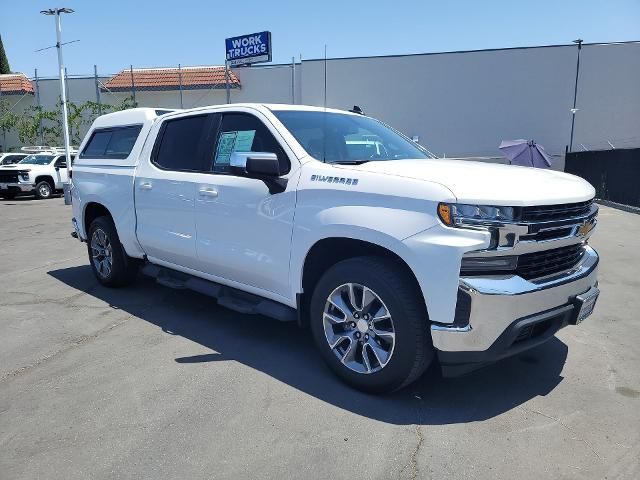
point(37, 160)
point(341, 138)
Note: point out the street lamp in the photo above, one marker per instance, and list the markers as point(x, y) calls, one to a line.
point(63, 90)
point(575, 92)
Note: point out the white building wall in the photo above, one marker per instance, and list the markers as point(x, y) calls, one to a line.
point(459, 104)
point(464, 104)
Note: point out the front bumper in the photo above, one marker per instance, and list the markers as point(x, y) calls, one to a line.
point(509, 314)
point(17, 187)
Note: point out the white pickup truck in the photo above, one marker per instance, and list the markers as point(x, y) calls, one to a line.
point(41, 174)
point(391, 258)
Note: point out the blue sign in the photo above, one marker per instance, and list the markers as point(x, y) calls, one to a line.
point(246, 49)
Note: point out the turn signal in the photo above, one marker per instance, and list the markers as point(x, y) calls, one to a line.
point(444, 212)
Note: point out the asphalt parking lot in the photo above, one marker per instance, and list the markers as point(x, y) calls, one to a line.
point(149, 382)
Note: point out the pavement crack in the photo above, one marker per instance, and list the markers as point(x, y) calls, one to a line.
point(76, 342)
point(576, 436)
point(413, 458)
point(412, 464)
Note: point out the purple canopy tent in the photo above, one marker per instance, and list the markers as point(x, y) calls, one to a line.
point(525, 153)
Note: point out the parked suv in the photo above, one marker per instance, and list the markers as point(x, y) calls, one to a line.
point(392, 259)
point(41, 174)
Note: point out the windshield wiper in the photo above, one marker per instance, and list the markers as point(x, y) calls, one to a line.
point(350, 162)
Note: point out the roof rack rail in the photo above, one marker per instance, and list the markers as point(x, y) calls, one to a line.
point(48, 149)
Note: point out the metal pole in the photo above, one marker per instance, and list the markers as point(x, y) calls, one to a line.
point(40, 131)
point(95, 78)
point(293, 80)
point(180, 80)
point(575, 93)
point(226, 79)
point(63, 91)
point(133, 86)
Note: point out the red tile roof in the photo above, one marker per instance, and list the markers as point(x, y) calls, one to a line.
point(169, 79)
point(15, 84)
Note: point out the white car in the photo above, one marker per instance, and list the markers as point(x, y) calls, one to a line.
point(41, 174)
point(393, 261)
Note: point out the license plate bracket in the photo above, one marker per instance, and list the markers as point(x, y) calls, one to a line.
point(585, 304)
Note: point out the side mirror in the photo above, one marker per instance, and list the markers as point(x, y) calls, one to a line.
point(256, 164)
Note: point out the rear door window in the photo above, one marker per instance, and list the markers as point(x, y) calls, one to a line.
point(182, 141)
point(113, 143)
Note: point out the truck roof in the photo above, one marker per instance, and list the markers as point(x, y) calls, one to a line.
point(130, 116)
point(146, 114)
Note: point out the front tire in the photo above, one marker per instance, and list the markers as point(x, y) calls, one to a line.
point(109, 262)
point(43, 190)
point(370, 324)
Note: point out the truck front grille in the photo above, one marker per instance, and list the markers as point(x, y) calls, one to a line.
point(549, 213)
point(548, 262)
point(8, 177)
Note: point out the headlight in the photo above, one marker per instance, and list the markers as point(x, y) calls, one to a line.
point(460, 215)
point(24, 176)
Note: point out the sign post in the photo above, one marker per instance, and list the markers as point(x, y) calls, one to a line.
point(245, 50)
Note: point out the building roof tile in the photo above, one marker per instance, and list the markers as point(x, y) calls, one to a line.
point(193, 78)
point(15, 84)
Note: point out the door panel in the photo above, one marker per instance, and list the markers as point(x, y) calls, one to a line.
point(166, 218)
point(165, 189)
point(244, 232)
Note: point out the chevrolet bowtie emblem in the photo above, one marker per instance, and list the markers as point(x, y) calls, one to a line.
point(585, 228)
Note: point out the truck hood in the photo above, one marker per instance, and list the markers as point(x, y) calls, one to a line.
point(490, 183)
point(29, 167)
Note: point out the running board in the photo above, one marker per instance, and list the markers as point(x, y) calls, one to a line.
point(228, 297)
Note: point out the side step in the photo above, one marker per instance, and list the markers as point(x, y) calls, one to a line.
point(228, 297)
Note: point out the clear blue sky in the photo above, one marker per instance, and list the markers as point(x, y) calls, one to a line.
point(149, 33)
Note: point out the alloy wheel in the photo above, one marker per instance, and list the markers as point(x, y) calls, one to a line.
point(101, 253)
point(358, 328)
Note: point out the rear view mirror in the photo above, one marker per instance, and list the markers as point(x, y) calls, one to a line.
point(256, 164)
point(263, 166)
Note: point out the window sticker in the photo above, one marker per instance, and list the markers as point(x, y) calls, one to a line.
point(244, 141)
point(236, 141)
point(225, 148)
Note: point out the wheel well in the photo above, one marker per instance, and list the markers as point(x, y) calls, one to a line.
point(92, 211)
point(329, 251)
point(47, 179)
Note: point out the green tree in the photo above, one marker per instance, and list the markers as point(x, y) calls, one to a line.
point(8, 121)
point(4, 62)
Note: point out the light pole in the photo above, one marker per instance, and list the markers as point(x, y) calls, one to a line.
point(63, 90)
point(575, 92)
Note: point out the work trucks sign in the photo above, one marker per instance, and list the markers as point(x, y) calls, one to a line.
point(246, 49)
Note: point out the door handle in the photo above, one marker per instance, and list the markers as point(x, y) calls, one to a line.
point(208, 192)
point(145, 186)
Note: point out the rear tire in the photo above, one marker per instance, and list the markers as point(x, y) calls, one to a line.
point(397, 346)
point(43, 190)
point(109, 262)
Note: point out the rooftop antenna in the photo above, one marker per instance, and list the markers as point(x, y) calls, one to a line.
point(324, 116)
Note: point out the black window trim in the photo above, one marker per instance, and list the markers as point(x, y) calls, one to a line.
point(211, 143)
point(110, 129)
point(219, 131)
point(201, 148)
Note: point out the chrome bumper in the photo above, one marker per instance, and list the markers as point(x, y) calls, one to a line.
point(497, 301)
point(23, 187)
